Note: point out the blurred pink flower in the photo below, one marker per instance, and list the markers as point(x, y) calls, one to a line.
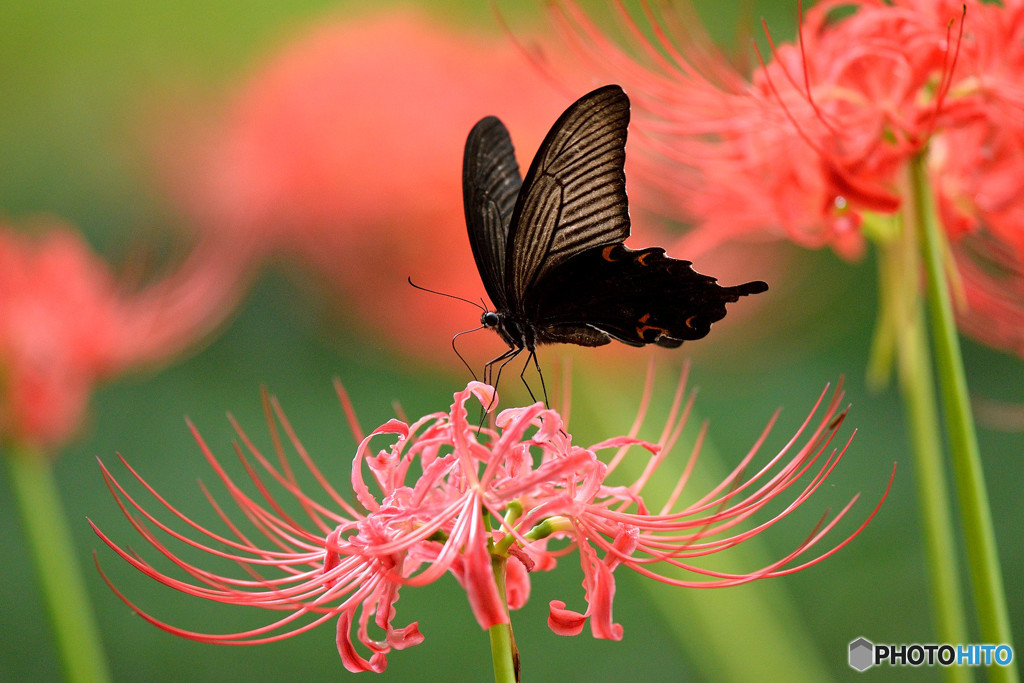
point(821, 134)
point(66, 324)
point(541, 497)
point(992, 278)
point(345, 150)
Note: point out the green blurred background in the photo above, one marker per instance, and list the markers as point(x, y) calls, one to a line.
point(74, 78)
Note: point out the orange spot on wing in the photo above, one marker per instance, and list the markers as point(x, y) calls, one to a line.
point(643, 328)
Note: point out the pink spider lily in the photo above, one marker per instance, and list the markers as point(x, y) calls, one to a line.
point(813, 145)
point(819, 130)
point(67, 323)
point(452, 497)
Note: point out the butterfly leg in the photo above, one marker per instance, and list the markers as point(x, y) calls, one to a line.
point(522, 376)
point(504, 359)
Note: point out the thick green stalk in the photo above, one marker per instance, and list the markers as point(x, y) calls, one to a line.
point(982, 553)
point(503, 644)
point(933, 495)
point(902, 324)
point(57, 568)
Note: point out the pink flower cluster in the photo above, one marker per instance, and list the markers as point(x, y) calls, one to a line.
point(820, 136)
point(443, 495)
point(66, 323)
point(56, 332)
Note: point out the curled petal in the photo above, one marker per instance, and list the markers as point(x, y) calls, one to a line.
point(358, 485)
point(600, 594)
point(600, 599)
point(402, 638)
point(349, 657)
point(565, 622)
point(484, 393)
point(517, 581)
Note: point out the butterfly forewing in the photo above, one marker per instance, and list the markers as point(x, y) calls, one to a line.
point(490, 186)
point(574, 195)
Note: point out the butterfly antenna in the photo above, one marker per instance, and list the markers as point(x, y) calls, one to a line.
point(459, 334)
point(450, 296)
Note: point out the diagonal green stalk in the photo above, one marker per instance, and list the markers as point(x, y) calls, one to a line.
point(503, 644)
point(57, 568)
point(933, 496)
point(982, 553)
point(901, 329)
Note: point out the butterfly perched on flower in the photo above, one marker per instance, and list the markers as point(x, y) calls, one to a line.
point(550, 249)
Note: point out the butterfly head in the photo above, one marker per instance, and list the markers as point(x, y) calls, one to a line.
point(489, 319)
point(512, 329)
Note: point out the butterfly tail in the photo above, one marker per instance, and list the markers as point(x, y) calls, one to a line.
point(755, 287)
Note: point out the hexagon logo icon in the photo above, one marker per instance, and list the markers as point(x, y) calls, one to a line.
point(862, 654)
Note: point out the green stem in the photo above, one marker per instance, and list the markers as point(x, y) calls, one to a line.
point(60, 580)
point(982, 554)
point(503, 642)
point(933, 495)
point(903, 317)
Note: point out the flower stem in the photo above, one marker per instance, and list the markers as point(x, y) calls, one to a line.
point(982, 554)
point(60, 580)
point(934, 501)
point(901, 323)
point(503, 642)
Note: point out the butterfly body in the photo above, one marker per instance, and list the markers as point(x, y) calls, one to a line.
point(550, 248)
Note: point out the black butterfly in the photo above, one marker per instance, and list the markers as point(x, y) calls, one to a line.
point(550, 249)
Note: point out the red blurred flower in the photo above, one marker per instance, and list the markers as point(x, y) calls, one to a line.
point(66, 323)
point(992, 278)
point(820, 135)
point(345, 150)
point(541, 497)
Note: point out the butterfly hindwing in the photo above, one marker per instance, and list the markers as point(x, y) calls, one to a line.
point(636, 297)
point(490, 186)
point(574, 195)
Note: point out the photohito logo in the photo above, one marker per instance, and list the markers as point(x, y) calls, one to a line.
point(864, 654)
